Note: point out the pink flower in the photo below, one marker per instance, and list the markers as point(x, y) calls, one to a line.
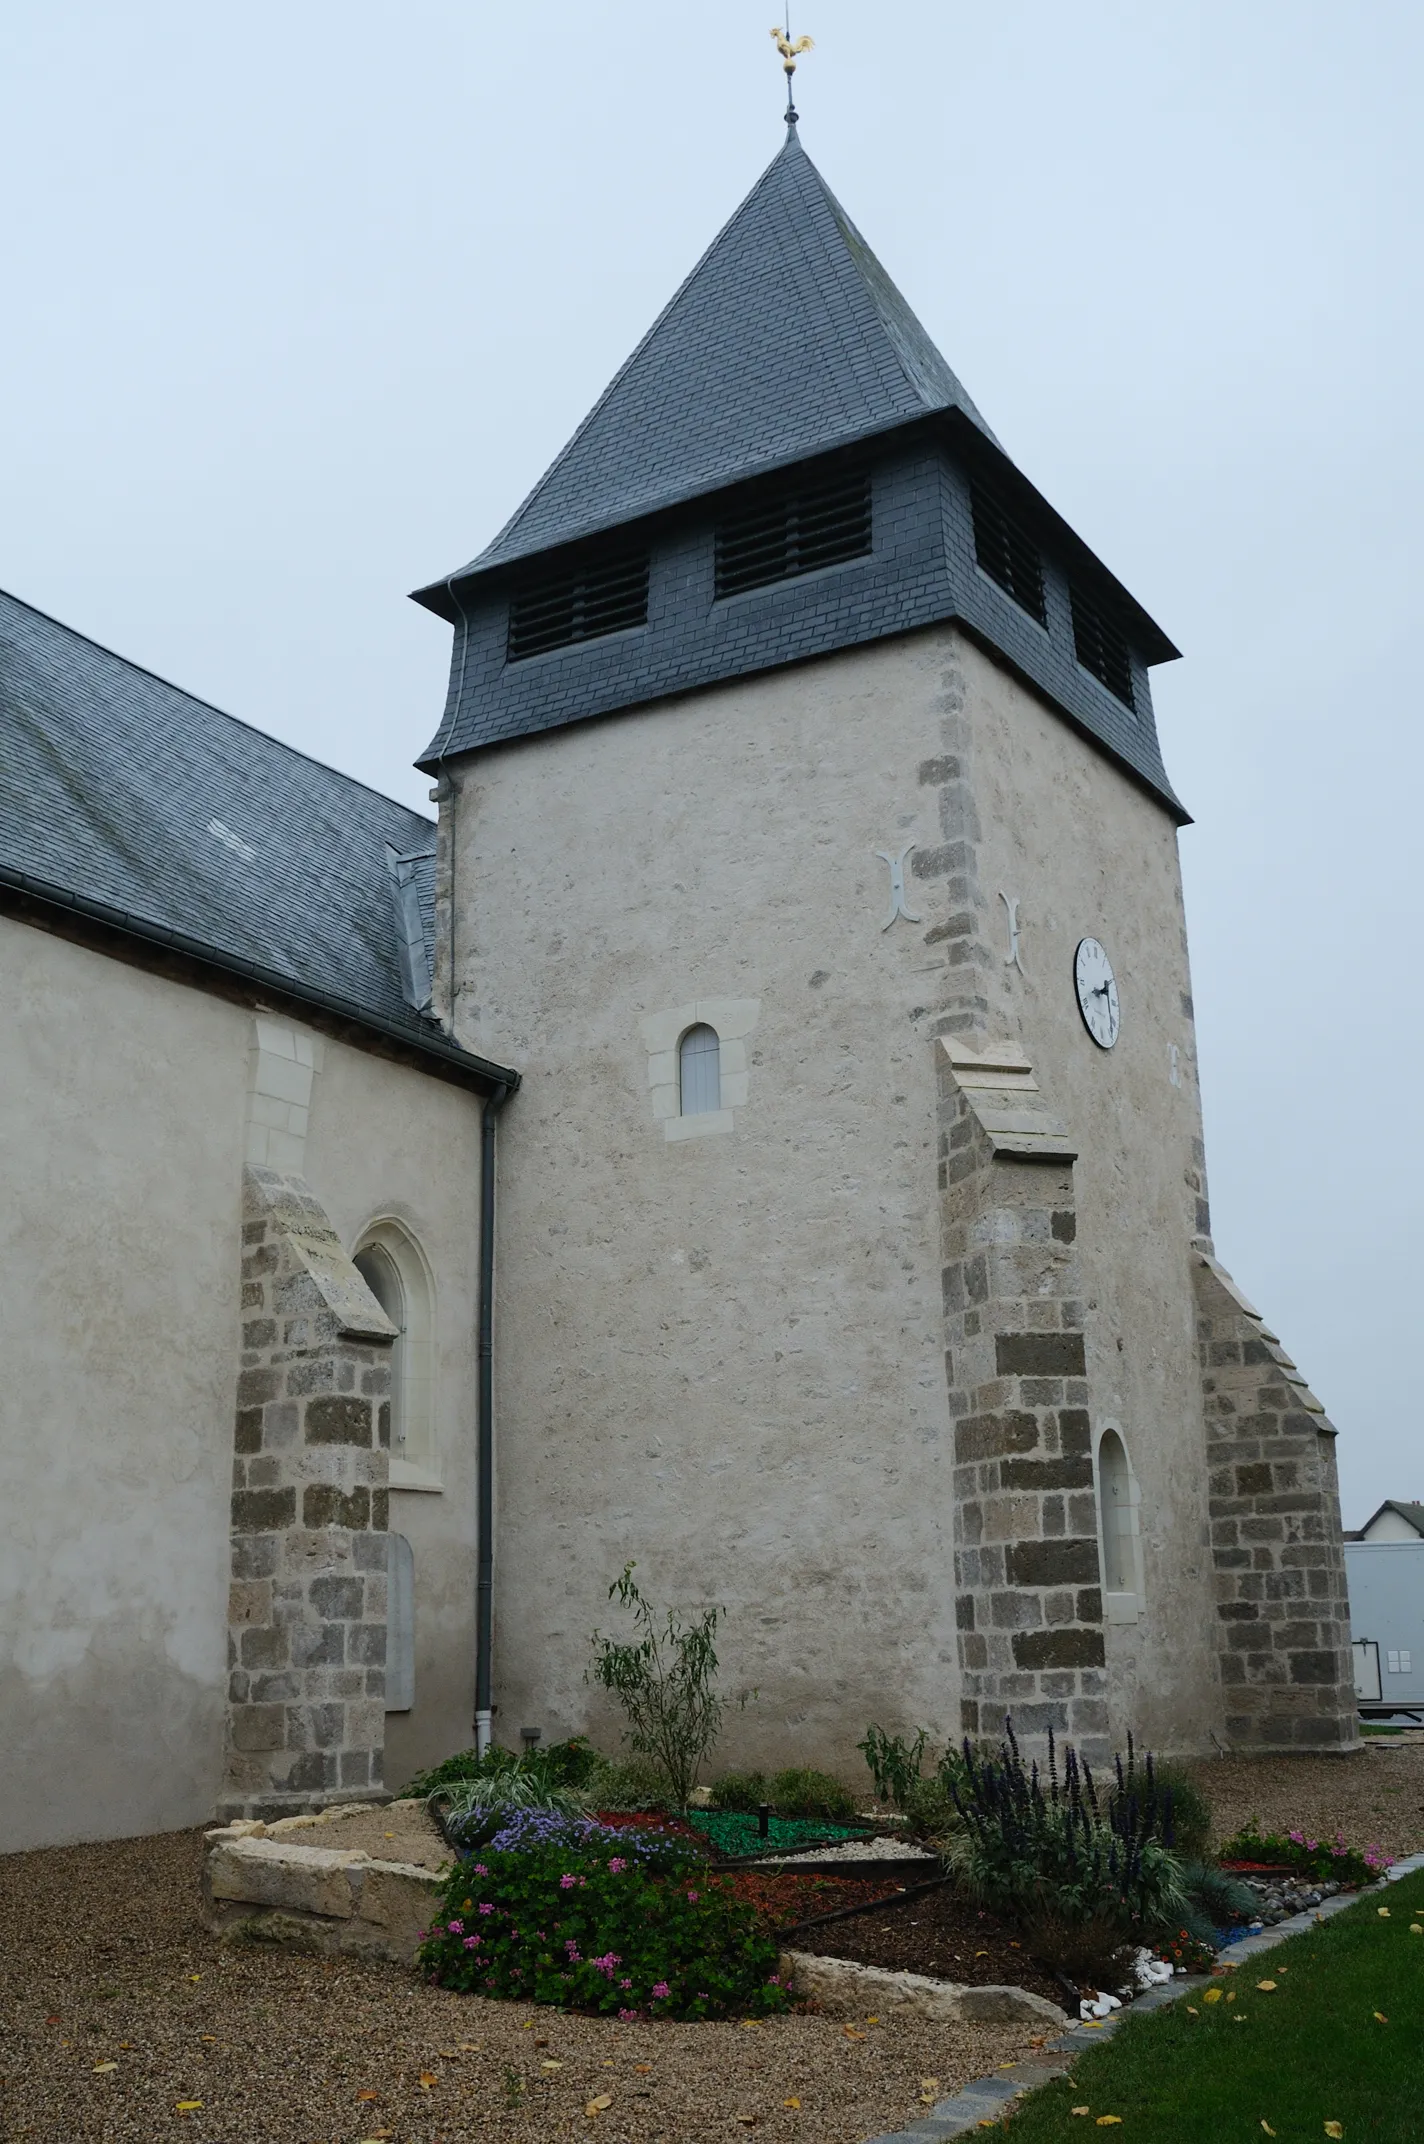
point(566, 1883)
point(625, 1983)
point(480, 1869)
point(486, 1908)
point(457, 1928)
point(472, 1942)
point(627, 2013)
point(617, 1865)
point(692, 1897)
point(661, 1991)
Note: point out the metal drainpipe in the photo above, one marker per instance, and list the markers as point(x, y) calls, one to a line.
point(484, 1587)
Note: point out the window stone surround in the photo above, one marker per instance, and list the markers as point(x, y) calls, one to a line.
point(733, 1020)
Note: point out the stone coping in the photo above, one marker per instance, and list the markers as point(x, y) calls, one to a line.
point(984, 2102)
point(844, 1988)
point(261, 1882)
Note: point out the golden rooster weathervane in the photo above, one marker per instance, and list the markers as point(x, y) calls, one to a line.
point(790, 52)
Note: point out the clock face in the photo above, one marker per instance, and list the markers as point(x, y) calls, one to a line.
point(1096, 986)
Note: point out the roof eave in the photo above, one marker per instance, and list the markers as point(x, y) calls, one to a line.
point(972, 441)
point(453, 1062)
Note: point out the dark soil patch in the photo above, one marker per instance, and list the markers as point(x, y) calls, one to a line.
point(941, 1934)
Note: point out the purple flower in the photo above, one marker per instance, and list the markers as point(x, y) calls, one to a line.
point(627, 2013)
point(485, 1907)
point(472, 1942)
point(480, 1869)
point(617, 1865)
point(625, 1983)
point(661, 1991)
point(457, 1928)
point(566, 1883)
point(692, 1897)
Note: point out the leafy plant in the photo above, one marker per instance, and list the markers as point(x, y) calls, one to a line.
point(475, 1809)
point(743, 1792)
point(799, 1791)
point(589, 1918)
point(561, 1764)
point(929, 1808)
point(625, 1784)
point(665, 1679)
point(1191, 1811)
point(1337, 1863)
point(895, 1762)
point(1067, 1854)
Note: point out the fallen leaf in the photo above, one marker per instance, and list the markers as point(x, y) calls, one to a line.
point(541, 2041)
point(1211, 1995)
point(1267, 1986)
point(1334, 2129)
point(748, 2121)
point(1191, 2012)
point(1267, 2127)
point(426, 2079)
point(550, 2065)
point(1383, 1912)
point(852, 2033)
point(750, 2024)
point(471, 2047)
point(1080, 2110)
point(1232, 1996)
point(1380, 2018)
point(791, 2103)
point(643, 2069)
point(54, 2021)
point(195, 1976)
point(1109, 2121)
point(387, 1834)
point(188, 2106)
point(597, 2106)
point(1416, 1928)
point(211, 2038)
point(981, 1954)
point(101, 2067)
point(368, 2095)
point(872, 2021)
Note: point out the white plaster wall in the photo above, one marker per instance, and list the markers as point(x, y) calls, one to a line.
point(724, 1357)
point(1086, 853)
point(121, 1130)
point(388, 1142)
point(123, 1106)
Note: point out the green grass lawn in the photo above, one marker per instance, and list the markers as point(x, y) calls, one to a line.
point(1308, 2052)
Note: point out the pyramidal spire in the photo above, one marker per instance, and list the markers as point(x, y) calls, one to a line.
point(787, 339)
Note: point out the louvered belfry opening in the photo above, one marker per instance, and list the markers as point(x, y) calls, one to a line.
point(1007, 555)
point(792, 528)
point(1101, 648)
point(582, 601)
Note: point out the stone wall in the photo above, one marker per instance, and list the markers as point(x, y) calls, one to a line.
point(307, 1612)
point(1282, 1605)
point(1029, 1601)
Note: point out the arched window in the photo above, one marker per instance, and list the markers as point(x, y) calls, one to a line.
point(1117, 1506)
point(699, 1063)
point(395, 1271)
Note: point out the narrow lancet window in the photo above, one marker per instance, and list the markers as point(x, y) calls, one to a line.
point(700, 1071)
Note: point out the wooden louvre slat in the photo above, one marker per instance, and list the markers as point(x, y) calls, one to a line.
point(581, 603)
point(794, 531)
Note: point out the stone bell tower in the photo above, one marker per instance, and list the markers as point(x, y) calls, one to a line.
point(804, 826)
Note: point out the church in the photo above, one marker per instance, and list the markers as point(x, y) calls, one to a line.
point(753, 1130)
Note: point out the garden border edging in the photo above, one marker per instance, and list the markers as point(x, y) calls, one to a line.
point(986, 2099)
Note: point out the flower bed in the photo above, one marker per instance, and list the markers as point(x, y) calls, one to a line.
point(1270, 1853)
point(592, 1917)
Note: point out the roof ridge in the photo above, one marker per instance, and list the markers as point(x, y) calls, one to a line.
point(238, 721)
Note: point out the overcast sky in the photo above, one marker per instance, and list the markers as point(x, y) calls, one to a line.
point(301, 300)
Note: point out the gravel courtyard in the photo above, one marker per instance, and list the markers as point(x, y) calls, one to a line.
point(1375, 1798)
point(106, 1962)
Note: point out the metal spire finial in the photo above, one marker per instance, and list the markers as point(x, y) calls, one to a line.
point(790, 53)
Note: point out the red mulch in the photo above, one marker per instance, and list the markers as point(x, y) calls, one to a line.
point(781, 1899)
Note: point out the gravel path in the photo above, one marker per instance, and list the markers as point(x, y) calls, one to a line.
point(105, 1962)
point(1376, 1798)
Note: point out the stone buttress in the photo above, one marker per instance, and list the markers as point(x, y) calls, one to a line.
point(1029, 1601)
point(1284, 1644)
point(307, 1613)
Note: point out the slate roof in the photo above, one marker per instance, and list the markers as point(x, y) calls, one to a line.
point(787, 340)
point(124, 797)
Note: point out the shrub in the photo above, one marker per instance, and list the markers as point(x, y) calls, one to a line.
point(584, 1917)
point(742, 1792)
point(1337, 1863)
point(1190, 1809)
point(624, 1784)
point(665, 1680)
point(930, 1809)
point(799, 1791)
point(895, 1763)
point(1067, 1855)
point(562, 1764)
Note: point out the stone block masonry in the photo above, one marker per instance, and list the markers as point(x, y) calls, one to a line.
point(1029, 1603)
point(307, 1611)
point(1282, 1606)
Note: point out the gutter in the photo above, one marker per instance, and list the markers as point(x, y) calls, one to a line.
point(451, 1060)
point(484, 1583)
